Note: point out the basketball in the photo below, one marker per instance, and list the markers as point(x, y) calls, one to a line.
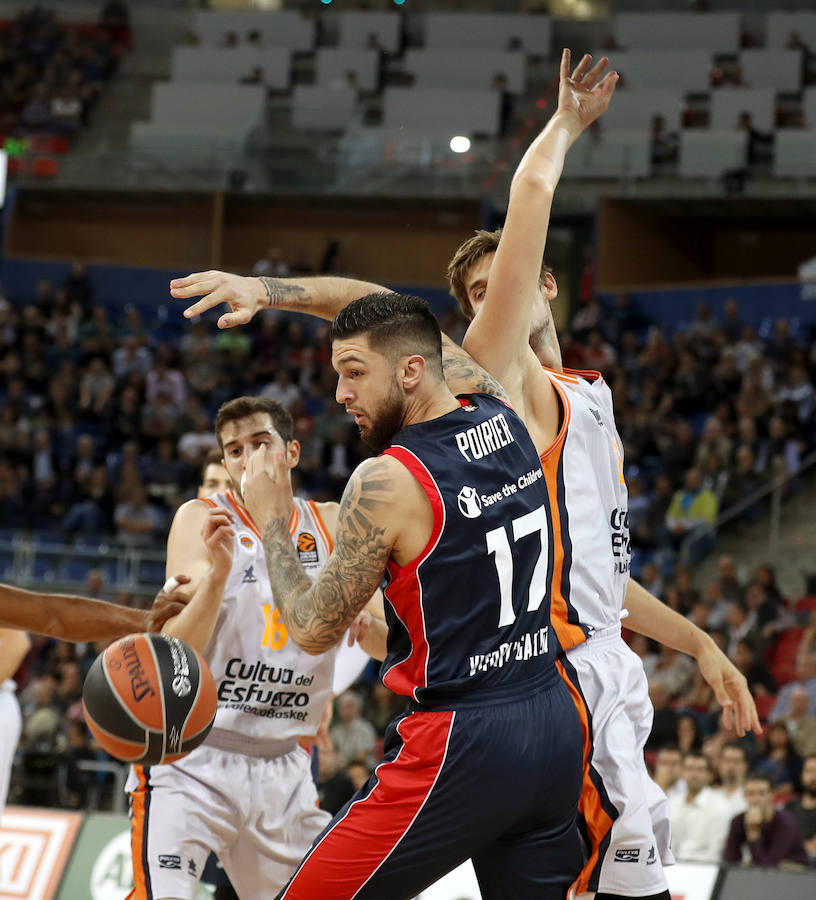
point(149, 699)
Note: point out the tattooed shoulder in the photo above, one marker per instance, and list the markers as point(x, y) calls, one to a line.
point(464, 375)
point(279, 291)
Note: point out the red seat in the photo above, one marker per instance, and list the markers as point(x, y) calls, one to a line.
point(807, 603)
point(784, 663)
point(45, 167)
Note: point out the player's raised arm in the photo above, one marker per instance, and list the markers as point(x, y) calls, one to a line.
point(318, 613)
point(200, 542)
point(501, 327)
point(70, 618)
point(323, 296)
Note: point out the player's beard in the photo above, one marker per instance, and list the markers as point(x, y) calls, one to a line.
point(386, 420)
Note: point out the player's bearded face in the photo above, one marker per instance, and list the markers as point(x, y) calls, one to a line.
point(383, 418)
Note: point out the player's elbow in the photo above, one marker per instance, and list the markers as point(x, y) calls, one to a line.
point(313, 641)
point(532, 184)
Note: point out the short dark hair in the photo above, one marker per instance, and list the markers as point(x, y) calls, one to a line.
point(213, 458)
point(394, 324)
point(734, 745)
point(759, 776)
point(241, 407)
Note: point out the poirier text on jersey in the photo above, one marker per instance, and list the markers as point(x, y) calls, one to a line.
point(485, 438)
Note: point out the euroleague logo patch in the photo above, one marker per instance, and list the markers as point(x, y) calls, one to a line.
point(307, 547)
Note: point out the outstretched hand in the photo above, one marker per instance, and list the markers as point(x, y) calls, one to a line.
point(731, 690)
point(581, 94)
point(244, 296)
point(167, 605)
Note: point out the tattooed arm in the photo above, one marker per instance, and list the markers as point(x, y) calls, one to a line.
point(318, 613)
point(463, 375)
point(323, 297)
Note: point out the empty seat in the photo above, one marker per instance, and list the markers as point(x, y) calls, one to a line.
point(661, 69)
point(636, 109)
point(678, 31)
point(333, 63)
point(472, 68)
point(227, 106)
point(322, 108)
point(710, 153)
point(780, 25)
point(618, 154)
point(777, 69)
point(809, 107)
point(277, 29)
point(356, 27)
point(727, 104)
point(795, 154)
point(456, 110)
point(230, 65)
point(496, 31)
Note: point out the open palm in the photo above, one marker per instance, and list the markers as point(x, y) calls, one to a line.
point(582, 94)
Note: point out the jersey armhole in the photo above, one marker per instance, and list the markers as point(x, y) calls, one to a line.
point(432, 492)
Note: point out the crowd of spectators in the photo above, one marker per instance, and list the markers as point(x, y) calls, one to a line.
point(106, 418)
point(52, 73)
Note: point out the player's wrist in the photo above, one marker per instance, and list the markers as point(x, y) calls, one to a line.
point(259, 292)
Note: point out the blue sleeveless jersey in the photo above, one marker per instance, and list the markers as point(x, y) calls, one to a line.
point(472, 612)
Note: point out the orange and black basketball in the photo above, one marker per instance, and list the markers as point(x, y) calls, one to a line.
point(149, 699)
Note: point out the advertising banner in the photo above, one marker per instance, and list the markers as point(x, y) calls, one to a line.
point(34, 848)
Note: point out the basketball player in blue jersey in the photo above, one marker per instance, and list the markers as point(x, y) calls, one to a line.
point(246, 793)
point(454, 516)
point(571, 420)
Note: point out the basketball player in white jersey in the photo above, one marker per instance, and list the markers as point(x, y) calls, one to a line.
point(247, 793)
point(13, 648)
point(570, 418)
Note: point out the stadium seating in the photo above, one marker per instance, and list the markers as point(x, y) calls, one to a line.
point(809, 107)
point(618, 154)
point(458, 110)
point(727, 104)
point(661, 69)
point(795, 154)
point(229, 65)
point(777, 69)
point(322, 108)
point(780, 25)
point(490, 31)
point(636, 109)
point(356, 27)
point(279, 29)
point(333, 63)
point(471, 68)
point(711, 153)
point(678, 31)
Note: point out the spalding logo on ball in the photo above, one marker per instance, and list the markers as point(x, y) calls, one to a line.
point(149, 699)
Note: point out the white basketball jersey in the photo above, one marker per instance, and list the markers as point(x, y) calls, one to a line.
point(585, 468)
point(269, 690)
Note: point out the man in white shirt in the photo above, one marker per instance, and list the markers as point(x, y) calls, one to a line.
point(732, 767)
point(668, 772)
point(699, 819)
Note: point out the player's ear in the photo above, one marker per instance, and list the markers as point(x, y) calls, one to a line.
point(549, 286)
point(412, 368)
point(292, 454)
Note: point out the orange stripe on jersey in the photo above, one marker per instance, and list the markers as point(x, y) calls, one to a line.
point(321, 525)
point(246, 518)
point(210, 503)
point(569, 634)
point(590, 806)
point(572, 379)
point(139, 801)
point(591, 374)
